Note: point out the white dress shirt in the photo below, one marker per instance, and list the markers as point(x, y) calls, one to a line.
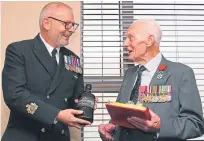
point(151, 68)
point(50, 49)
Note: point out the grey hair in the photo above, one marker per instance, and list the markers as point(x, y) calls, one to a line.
point(152, 27)
point(48, 10)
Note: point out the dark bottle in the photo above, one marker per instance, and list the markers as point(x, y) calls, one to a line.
point(86, 104)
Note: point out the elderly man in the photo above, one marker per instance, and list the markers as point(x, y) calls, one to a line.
point(42, 79)
point(175, 117)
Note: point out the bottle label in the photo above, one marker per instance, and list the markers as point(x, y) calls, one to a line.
point(86, 102)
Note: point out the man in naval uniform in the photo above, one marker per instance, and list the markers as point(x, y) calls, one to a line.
point(173, 98)
point(41, 80)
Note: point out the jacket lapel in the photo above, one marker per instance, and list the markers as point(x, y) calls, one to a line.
point(155, 80)
point(159, 81)
point(43, 55)
point(58, 76)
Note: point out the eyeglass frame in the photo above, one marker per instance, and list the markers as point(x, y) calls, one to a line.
point(66, 23)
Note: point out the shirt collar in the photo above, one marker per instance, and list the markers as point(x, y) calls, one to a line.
point(153, 63)
point(49, 47)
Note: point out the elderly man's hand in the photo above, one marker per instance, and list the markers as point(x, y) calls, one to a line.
point(105, 131)
point(152, 125)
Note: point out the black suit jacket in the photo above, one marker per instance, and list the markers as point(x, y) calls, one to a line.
point(28, 79)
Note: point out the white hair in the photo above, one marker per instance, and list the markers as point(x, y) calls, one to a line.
point(49, 9)
point(152, 27)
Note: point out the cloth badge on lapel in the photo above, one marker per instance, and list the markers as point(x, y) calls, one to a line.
point(31, 108)
point(161, 68)
point(72, 63)
point(154, 94)
point(75, 76)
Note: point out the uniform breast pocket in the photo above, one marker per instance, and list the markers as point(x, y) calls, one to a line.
point(71, 75)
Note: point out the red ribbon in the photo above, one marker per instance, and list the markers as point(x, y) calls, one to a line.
point(162, 67)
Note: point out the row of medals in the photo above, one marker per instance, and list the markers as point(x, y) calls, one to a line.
point(73, 64)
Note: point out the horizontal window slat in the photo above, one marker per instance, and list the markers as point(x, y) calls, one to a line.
point(146, 4)
point(131, 20)
point(93, 14)
point(164, 46)
point(143, 9)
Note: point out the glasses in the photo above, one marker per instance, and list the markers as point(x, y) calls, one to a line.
point(67, 25)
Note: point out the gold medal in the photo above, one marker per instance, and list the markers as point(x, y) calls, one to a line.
point(163, 98)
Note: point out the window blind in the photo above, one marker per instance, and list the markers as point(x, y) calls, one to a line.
point(103, 28)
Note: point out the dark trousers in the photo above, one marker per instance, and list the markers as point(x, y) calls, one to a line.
point(136, 135)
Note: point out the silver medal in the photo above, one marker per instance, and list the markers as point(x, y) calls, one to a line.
point(159, 76)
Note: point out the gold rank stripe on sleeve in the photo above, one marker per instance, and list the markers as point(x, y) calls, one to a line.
point(152, 94)
point(72, 63)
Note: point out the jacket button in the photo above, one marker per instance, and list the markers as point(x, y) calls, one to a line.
point(48, 96)
point(43, 130)
point(154, 137)
point(55, 121)
point(65, 99)
point(62, 132)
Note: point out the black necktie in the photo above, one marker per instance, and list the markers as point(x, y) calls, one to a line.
point(54, 52)
point(128, 134)
point(134, 93)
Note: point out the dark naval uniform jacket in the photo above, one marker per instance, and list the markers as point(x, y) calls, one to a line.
point(35, 93)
